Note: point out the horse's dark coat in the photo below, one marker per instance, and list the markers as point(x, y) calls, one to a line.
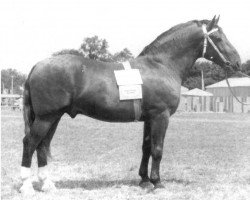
point(76, 85)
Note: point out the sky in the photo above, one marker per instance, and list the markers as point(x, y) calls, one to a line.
point(31, 30)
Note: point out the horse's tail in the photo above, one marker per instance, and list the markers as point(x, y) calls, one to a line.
point(28, 113)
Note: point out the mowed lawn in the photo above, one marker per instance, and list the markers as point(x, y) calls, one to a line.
point(206, 156)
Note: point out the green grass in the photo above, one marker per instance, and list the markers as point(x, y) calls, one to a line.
point(206, 156)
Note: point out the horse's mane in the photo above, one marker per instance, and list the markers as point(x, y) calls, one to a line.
point(173, 33)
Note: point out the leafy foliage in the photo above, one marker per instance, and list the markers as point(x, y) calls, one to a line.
point(212, 73)
point(6, 80)
point(246, 67)
point(123, 56)
point(67, 51)
point(96, 49)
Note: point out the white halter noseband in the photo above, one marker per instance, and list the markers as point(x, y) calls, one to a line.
point(207, 38)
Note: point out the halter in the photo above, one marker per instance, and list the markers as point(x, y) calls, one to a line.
point(207, 38)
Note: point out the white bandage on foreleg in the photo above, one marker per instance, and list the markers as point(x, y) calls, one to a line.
point(42, 173)
point(25, 173)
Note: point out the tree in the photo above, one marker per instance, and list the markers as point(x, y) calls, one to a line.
point(212, 73)
point(6, 80)
point(96, 49)
point(67, 51)
point(123, 56)
point(246, 67)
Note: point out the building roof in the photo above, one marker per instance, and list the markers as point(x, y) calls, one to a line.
point(234, 82)
point(11, 96)
point(197, 92)
point(183, 89)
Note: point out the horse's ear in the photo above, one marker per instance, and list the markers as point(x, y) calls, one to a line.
point(217, 20)
point(211, 24)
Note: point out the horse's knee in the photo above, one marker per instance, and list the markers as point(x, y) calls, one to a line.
point(157, 153)
point(26, 140)
point(40, 128)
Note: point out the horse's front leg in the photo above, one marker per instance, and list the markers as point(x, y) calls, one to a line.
point(146, 152)
point(159, 126)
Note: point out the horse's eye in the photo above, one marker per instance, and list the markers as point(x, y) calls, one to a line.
point(217, 38)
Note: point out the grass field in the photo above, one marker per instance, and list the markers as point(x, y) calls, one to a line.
point(206, 156)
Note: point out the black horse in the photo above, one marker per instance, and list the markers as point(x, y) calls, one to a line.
point(75, 85)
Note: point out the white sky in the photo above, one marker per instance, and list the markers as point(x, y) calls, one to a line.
point(32, 30)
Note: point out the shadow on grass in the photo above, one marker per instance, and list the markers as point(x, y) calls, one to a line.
point(98, 184)
point(179, 181)
point(94, 183)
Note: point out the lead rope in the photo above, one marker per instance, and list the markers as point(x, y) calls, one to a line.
point(243, 74)
point(229, 87)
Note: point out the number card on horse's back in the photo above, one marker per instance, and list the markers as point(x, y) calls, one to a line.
point(128, 77)
point(129, 82)
point(128, 92)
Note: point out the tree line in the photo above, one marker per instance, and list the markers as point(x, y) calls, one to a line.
point(212, 73)
point(97, 49)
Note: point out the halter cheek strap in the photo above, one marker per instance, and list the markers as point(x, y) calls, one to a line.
point(208, 39)
point(206, 36)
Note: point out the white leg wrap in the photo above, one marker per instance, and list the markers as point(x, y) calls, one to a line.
point(25, 173)
point(48, 185)
point(42, 173)
point(27, 187)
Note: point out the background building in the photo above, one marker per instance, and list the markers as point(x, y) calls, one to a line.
point(223, 100)
point(196, 100)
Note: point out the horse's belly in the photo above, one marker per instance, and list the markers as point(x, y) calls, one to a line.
point(104, 107)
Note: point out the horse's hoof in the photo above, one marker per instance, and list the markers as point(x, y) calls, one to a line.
point(159, 186)
point(27, 188)
point(146, 185)
point(48, 186)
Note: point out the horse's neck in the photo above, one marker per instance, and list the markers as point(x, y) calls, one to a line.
point(178, 62)
point(178, 53)
point(183, 63)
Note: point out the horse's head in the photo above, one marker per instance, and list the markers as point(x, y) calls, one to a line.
point(217, 48)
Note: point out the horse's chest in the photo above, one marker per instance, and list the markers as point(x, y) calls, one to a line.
point(170, 93)
point(162, 94)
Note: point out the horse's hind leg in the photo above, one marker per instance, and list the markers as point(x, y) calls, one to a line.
point(38, 131)
point(146, 152)
point(43, 150)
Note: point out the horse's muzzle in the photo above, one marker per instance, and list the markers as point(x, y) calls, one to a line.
point(237, 66)
point(233, 67)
